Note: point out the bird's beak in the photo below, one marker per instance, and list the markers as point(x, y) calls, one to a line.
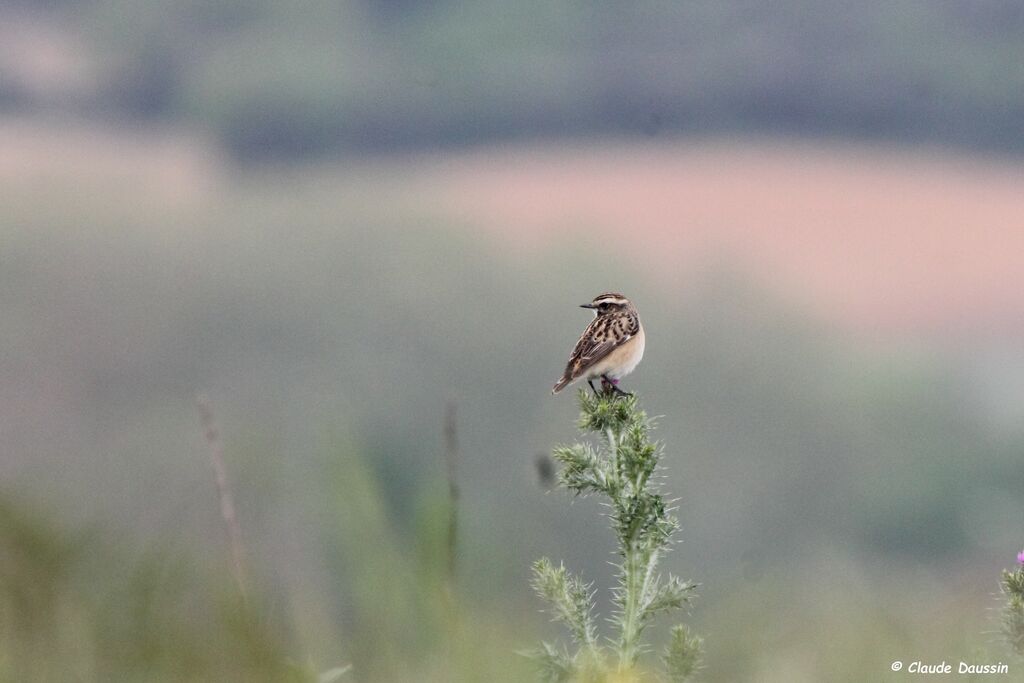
point(590, 306)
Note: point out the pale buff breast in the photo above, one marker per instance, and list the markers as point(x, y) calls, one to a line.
point(622, 360)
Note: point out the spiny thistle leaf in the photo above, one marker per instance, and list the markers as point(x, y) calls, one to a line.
point(602, 412)
point(582, 470)
point(1013, 612)
point(570, 599)
point(683, 654)
point(673, 594)
point(1013, 582)
point(554, 665)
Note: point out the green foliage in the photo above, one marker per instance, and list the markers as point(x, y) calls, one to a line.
point(393, 586)
point(405, 619)
point(35, 566)
point(76, 606)
point(621, 468)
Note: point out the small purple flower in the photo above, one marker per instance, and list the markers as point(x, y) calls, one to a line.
point(1020, 557)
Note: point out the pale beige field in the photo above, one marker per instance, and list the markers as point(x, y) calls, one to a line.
point(873, 239)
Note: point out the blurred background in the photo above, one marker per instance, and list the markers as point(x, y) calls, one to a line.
point(337, 218)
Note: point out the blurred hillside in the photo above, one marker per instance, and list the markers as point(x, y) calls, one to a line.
point(272, 80)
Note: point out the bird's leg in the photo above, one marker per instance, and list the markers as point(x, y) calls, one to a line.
point(612, 386)
point(591, 383)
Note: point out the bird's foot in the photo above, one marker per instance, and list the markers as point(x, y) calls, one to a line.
point(610, 386)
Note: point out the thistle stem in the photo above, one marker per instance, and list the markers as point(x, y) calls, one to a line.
point(630, 611)
point(621, 470)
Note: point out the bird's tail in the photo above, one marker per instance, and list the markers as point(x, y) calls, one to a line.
point(561, 384)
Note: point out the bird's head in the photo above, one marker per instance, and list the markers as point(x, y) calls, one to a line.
point(609, 302)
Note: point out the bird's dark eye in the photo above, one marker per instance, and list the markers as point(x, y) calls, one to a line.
point(604, 306)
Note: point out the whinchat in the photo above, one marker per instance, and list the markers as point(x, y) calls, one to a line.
point(609, 348)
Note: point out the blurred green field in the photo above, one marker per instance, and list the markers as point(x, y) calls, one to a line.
point(843, 504)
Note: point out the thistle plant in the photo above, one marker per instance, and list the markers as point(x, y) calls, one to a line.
point(1013, 612)
point(621, 466)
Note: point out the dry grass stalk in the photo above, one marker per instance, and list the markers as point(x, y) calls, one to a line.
point(227, 505)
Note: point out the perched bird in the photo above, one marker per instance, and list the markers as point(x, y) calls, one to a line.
point(609, 348)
